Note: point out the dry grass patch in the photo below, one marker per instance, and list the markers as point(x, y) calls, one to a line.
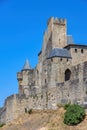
point(43, 120)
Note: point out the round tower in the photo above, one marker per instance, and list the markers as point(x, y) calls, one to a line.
point(23, 79)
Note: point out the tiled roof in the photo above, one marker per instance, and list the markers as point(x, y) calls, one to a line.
point(58, 52)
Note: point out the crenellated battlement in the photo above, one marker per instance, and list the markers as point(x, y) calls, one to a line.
point(59, 21)
point(57, 29)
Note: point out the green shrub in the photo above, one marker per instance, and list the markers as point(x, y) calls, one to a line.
point(2, 124)
point(67, 105)
point(74, 115)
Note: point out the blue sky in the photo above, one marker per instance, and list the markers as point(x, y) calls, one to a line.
point(22, 24)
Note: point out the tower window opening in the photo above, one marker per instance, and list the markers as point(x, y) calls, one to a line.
point(34, 82)
point(75, 50)
point(51, 59)
point(61, 59)
point(81, 50)
point(67, 75)
point(45, 81)
point(37, 71)
point(59, 40)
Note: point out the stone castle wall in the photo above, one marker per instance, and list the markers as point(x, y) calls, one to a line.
point(54, 37)
point(79, 55)
point(58, 29)
point(74, 91)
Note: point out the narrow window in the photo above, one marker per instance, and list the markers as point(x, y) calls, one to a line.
point(75, 50)
point(52, 59)
point(60, 59)
point(37, 71)
point(67, 59)
point(59, 40)
point(45, 81)
point(67, 75)
point(81, 50)
point(34, 82)
point(25, 110)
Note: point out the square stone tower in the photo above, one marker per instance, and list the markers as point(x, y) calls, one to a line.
point(55, 36)
point(58, 29)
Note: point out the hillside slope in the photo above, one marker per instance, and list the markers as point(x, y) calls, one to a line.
point(43, 120)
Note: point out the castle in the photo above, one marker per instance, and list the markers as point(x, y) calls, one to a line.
point(59, 77)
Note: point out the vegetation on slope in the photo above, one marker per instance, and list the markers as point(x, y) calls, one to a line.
point(74, 115)
point(44, 120)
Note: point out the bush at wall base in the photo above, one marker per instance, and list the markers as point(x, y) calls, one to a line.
point(2, 124)
point(74, 115)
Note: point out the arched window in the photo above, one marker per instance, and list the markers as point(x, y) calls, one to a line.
point(67, 75)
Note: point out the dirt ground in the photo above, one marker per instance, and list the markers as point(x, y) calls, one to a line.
point(43, 120)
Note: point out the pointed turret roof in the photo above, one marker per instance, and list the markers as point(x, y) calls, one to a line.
point(26, 65)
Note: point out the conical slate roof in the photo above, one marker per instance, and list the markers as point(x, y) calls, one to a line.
point(26, 65)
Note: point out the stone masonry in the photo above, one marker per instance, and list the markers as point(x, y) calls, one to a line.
point(60, 76)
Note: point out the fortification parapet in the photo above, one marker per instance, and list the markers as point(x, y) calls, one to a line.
point(50, 20)
point(15, 96)
point(59, 21)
